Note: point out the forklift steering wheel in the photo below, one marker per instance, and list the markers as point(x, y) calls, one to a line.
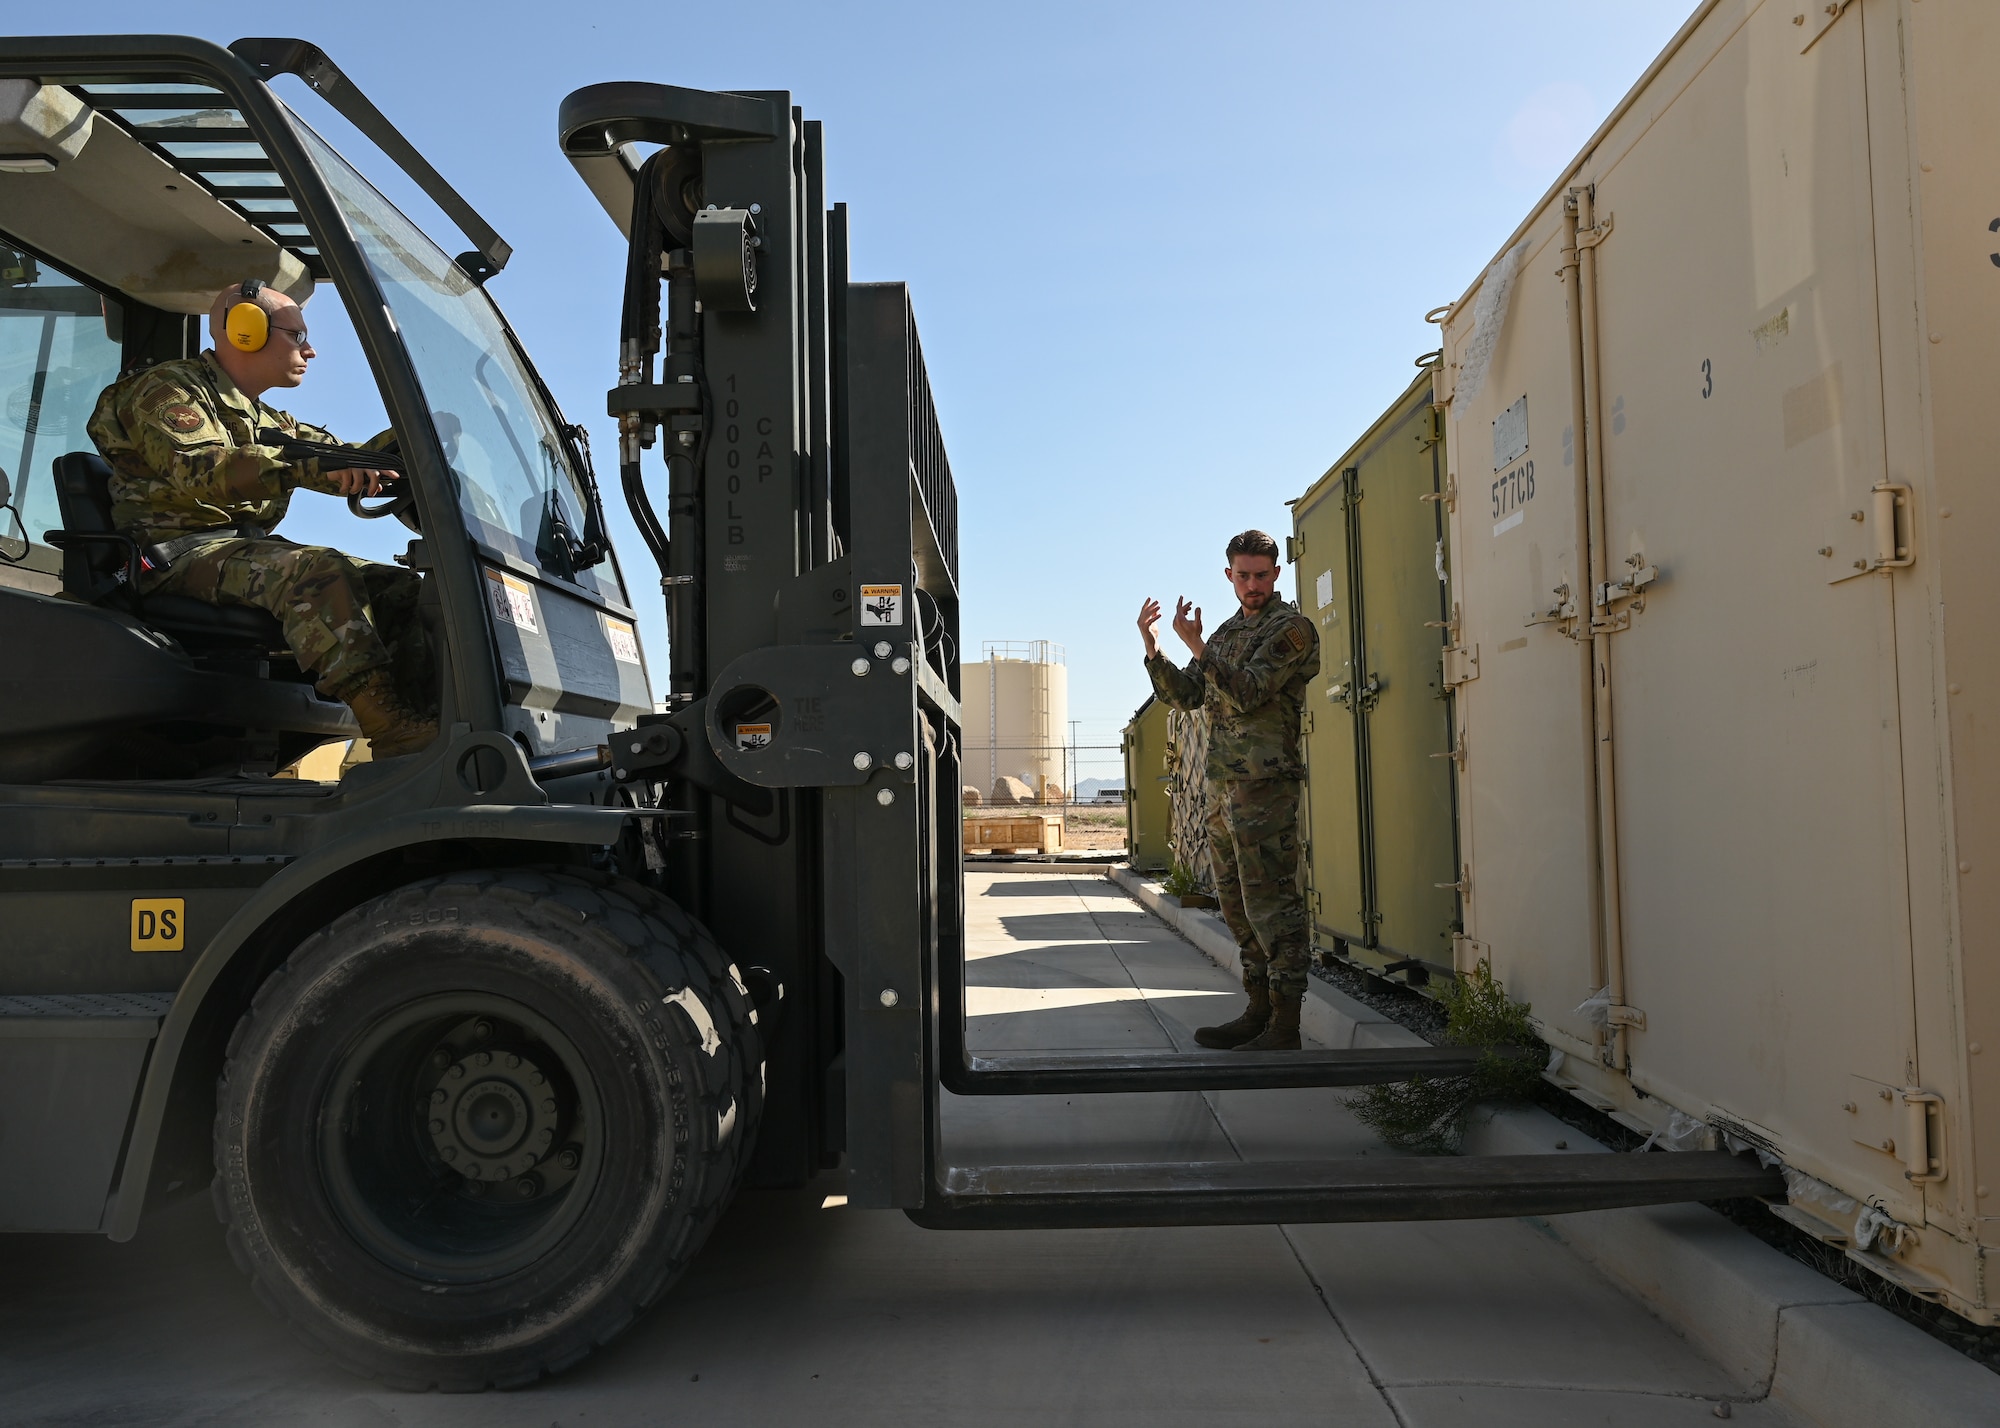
point(402, 505)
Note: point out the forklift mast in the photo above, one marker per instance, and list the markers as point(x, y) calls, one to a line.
point(808, 558)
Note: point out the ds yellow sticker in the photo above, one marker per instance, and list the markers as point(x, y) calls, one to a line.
point(159, 924)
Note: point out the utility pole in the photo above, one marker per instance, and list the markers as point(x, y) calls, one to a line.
point(1070, 797)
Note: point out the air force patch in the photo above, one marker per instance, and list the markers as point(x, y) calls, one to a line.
point(182, 418)
point(1296, 638)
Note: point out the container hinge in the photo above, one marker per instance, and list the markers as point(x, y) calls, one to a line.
point(1625, 1016)
point(1817, 18)
point(1456, 753)
point(1894, 532)
point(1294, 548)
point(1920, 1167)
point(1591, 237)
point(1463, 887)
point(1306, 721)
point(1449, 495)
point(1461, 665)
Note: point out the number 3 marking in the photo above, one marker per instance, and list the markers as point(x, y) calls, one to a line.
point(1708, 371)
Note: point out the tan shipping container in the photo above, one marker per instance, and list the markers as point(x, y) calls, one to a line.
point(1727, 701)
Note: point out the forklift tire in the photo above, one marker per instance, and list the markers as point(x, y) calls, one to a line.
point(466, 1133)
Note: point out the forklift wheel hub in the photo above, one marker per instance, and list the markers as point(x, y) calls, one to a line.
point(492, 1117)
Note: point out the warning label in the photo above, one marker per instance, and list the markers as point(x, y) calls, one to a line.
point(881, 604)
point(513, 601)
point(752, 736)
point(624, 641)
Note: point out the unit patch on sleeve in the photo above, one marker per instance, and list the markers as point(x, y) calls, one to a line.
point(182, 418)
point(1296, 638)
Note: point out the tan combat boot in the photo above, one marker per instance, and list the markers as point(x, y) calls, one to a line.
point(1283, 1032)
point(389, 725)
point(1233, 1034)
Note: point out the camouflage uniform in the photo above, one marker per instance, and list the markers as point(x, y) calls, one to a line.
point(181, 438)
point(1252, 680)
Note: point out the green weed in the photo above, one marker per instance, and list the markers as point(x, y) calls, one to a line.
point(1430, 1114)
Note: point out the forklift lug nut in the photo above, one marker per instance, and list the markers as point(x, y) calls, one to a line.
point(900, 665)
point(889, 997)
point(860, 666)
point(885, 796)
point(881, 649)
point(903, 761)
point(864, 761)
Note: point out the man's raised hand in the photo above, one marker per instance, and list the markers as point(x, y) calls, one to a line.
point(1149, 616)
point(1187, 624)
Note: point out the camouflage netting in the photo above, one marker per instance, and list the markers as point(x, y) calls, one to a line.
point(1187, 763)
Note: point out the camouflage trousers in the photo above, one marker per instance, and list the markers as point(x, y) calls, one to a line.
point(1253, 840)
point(342, 616)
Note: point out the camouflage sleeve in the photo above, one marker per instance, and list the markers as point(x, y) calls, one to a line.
point(302, 475)
point(181, 441)
point(1289, 650)
point(1177, 688)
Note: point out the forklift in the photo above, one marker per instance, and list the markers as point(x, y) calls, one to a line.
point(471, 1047)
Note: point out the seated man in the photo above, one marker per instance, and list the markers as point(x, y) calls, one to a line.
point(190, 479)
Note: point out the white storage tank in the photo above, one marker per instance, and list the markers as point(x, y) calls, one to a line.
point(1016, 707)
point(1726, 634)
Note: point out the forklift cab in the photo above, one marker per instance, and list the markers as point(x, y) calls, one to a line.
point(132, 189)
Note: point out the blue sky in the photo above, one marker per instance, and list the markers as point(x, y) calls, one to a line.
point(1167, 259)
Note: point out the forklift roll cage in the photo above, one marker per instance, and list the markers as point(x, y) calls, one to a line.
point(800, 795)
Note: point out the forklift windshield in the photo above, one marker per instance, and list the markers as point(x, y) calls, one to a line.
point(517, 483)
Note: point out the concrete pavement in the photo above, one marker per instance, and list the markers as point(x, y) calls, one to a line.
point(797, 1313)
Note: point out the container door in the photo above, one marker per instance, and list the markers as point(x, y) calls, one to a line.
point(1405, 704)
point(1521, 700)
point(1337, 890)
point(1756, 722)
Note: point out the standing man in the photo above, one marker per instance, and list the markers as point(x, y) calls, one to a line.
point(197, 479)
point(1251, 677)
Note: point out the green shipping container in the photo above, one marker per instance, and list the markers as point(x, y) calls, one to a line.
point(1367, 553)
point(1149, 813)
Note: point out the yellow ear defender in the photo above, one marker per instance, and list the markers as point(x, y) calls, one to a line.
point(247, 325)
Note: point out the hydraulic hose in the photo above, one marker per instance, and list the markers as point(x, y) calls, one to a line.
point(638, 340)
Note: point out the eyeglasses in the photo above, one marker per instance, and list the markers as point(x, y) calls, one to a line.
point(297, 334)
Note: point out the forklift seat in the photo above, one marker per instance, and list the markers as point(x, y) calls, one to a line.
point(98, 565)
